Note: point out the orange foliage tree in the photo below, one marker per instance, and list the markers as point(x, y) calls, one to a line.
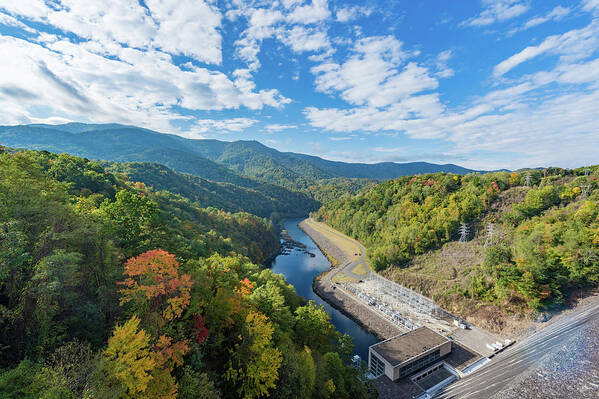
point(159, 294)
point(154, 284)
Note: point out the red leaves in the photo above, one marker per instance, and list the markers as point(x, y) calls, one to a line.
point(166, 351)
point(201, 332)
point(493, 187)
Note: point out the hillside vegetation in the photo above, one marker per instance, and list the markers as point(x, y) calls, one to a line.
point(110, 289)
point(221, 161)
point(265, 200)
point(545, 242)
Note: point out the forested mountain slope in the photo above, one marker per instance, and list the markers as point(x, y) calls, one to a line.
point(109, 289)
point(545, 240)
point(249, 158)
point(270, 202)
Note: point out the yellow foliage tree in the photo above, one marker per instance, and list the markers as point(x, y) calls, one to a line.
point(255, 362)
point(128, 358)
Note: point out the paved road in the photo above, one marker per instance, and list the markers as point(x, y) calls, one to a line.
point(348, 268)
point(559, 361)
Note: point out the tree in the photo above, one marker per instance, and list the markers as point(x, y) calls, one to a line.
point(269, 300)
point(167, 355)
point(128, 359)
point(333, 370)
point(19, 383)
point(194, 385)
point(134, 220)
point(297, 376)
point(313, 327)
point(54, 290)
point(254, 362)
point(155, 287)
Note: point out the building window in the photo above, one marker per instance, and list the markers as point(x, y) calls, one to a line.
point(419, 363)
point(377, 367)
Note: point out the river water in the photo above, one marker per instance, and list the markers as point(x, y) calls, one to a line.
point(300, 269)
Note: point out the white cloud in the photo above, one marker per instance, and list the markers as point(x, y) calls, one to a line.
point(347, 14)
point(302, 39)
point(275, 127)
point(373, 74)
point(119, 67)
point(572, 45)
point(497, 11)
point(106, 82)
point(220, 125)
point(443, 70)
point(388, 149)
point(525, 120)
point(188, 27)
point(292, 24)
point(317, 11)
point(9, 20)
point(180, 27)
point(556, 14)
point(591, 5)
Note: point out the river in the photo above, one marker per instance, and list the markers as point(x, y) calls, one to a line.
point(300, 269)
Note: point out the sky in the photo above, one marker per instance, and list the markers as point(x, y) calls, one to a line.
point(486, 84)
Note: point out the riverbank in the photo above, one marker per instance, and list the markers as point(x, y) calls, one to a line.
point(338, 299)
point(301, 266)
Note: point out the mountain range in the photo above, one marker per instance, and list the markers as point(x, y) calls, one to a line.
point(210, 159)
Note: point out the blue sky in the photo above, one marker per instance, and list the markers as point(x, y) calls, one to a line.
point(481, 83)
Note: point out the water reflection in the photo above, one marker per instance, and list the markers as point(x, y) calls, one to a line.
point(299, 268)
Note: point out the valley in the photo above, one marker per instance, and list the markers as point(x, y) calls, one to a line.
point(299, 199)
point(480, 259)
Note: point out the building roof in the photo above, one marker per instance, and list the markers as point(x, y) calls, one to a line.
point(402, 348)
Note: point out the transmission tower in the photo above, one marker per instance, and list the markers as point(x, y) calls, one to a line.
point(527, 181)
point(586, 190)
point(463, 232)
point(490, 234)
point(587, 171)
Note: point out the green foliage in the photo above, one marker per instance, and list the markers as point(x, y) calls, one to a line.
point(194, 385)
point(409, 215)
point(18, 383)
point(254, 360)
point(313, 325)
point(496, 255)
point(202, 320)
point(260, 199)
point(133, 220)
point(550, 244)
point(537, 200)
point(297, 376)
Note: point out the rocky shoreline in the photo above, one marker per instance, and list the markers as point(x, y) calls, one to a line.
point(338, 299)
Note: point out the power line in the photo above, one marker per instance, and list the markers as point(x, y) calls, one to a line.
point(463, 232)
point(527, 180)
point(490, 234)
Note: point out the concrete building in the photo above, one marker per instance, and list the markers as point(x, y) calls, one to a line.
point(407, 353)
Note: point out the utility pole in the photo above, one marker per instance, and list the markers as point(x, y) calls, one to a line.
point(463, 232)
point(490, 234)
point(527, 181)
point(586, 190)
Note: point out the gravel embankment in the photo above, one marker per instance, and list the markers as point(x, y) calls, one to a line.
point(340, 300)
point(570, 372)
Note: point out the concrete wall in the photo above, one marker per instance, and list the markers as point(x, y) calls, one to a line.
point(445, 349)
